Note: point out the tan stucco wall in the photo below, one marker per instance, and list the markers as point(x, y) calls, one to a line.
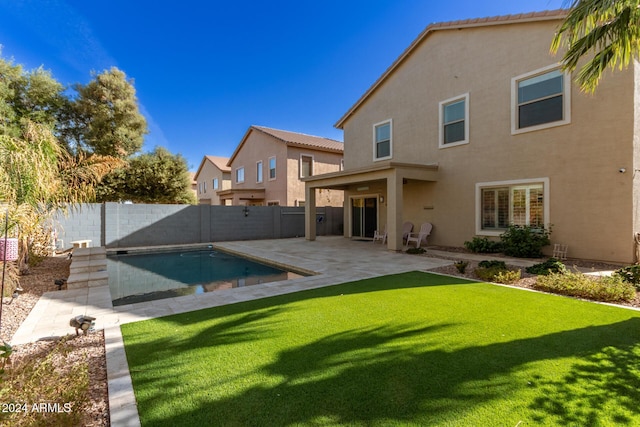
point(208, 172)
point(323, 162)
point(591, 202)
point(286, 188)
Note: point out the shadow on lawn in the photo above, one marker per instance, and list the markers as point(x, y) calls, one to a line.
point(381, 380)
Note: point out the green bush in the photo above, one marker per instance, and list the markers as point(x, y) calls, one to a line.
point(525, 241)
point(492, 263)
point(483, 245)
point(416, 251)
point(605, 288)
point(552, 265)
point(507, 276)
point(630, 274)
point(497, 274)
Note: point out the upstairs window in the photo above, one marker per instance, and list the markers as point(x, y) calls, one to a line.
point(240, 175)
point(259, 171)
point(382, 144)
point(541, 99)
point(272, 168)
point(306, 166)
point(215, 183)
point(454, 123)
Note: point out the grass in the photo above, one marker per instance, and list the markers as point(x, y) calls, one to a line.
point(411, 349)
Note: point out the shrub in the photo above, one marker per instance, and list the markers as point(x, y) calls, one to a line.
point(461, 266)
point(497, 274)
point(507, 276)
point(493, 263)
point(606, 288)
point(630, 274)
point(416, 251)
point(552, 265)
point(525, 241)
point(483, 245)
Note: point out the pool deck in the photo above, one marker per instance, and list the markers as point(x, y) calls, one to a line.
point(334, 259)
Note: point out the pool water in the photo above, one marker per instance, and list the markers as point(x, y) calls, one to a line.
point(150, 276)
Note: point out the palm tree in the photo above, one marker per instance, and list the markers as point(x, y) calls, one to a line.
point(38, 176)
point(605, 32)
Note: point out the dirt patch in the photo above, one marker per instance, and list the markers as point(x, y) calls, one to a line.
point(88, 348)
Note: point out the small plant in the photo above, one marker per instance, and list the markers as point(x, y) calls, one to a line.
point(552, 265)
point(416, 251)
point(525, 241)
point(507, 276)
point(461, 266)
point(630, 274)
point(483, 245)
point(493, 263)
point(604, 288)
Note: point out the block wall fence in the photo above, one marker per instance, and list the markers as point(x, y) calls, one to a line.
point(117, 225)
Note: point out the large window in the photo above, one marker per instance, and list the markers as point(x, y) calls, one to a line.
point(259, 171)
point(540, 99)
point(454, 122)
point(505, 203)
point(240, 175)
point(306, 166)
point(382, 144)
point(272, 168)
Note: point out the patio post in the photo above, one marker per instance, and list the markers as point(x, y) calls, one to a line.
point(394, 212)
point(310, 213)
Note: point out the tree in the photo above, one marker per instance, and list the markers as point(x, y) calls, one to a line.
point(105, 118)
point(155, 177)
point(606, 32)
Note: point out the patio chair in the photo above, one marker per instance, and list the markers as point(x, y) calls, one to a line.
point(381, 236)
point(407, 228)
point(425, 231)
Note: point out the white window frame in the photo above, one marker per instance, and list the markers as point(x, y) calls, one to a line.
point(513, 183)
point(441, 124)
point(375, 142)
point(566, 100)
point(275, 168)
point(243, 177)
point(259, 172)
point(310, 166)
point(341, 165)
point(216, 183)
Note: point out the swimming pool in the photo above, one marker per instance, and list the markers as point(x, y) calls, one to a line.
point(150, 276)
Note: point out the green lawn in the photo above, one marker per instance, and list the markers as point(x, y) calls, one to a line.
point(413, 349)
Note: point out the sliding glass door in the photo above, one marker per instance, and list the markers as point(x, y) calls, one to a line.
point(364, 216)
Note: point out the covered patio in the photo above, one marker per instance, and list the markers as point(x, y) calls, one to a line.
point(385, 181)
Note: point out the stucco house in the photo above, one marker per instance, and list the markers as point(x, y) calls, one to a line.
point(475, 127)
point(268, 165)
point(212, 176)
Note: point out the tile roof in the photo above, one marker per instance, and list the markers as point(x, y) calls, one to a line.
point(547, 15)
point(301, 139)
point(220, 162)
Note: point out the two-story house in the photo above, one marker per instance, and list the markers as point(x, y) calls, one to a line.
point(268, 165)
point(213, 175)
point(475, 127)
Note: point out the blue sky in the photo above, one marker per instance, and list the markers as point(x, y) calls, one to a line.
point(205, 71)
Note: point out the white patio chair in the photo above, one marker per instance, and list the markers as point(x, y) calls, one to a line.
point(381, 236)
point(425, 231)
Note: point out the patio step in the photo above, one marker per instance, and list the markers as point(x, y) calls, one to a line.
point(88, 268)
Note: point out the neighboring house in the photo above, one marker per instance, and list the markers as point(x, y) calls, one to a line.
point(268, 165)
point(194, 184)
point(212, 176)
point(475, 127)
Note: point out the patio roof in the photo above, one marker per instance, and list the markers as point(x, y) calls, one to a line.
point(379, 171)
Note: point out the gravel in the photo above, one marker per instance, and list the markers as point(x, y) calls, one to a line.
point(90, 347)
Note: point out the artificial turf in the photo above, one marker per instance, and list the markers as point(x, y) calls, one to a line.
point(411, 349)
